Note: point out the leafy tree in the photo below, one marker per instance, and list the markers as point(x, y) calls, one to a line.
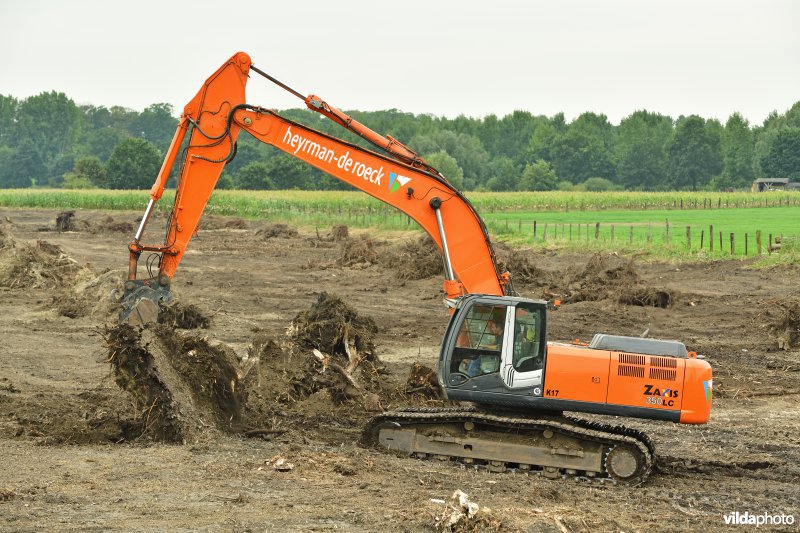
point(225, 182)
point(596, 126)
point(91, 170)
point(55, 171)
point(577, 155)
point(24, 168)
point(737, 154)
point(695, 156)
point(101, 142)
point(286, 173)
point(76, 181)
point(467, 150)
point(783, 157)
point(134, 164)
point(448, 166)
point(597, 185)
point(254, 176)
point(538, 176)
point(541, 143)
point(640, 150)
point(8, 112)
point(51, 122)
point(504, 175)
point(155, 124)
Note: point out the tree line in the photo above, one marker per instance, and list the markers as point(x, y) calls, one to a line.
point(48, 140)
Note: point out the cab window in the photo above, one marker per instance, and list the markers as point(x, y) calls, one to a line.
point(528, 354)
point(480, 341)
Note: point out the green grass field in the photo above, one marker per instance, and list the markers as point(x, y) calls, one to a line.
point(631, 222)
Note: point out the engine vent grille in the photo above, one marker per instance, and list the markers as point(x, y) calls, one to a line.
point(630, 371)
point(631, 359)
point(662, 374)
point(664, 362)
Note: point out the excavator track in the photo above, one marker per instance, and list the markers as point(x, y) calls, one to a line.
point(548, 445)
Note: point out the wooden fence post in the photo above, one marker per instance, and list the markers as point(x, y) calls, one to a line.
point(544, 233)
point(758, 241)
point(631, 237)
point(732, 245)
point(570, 232)
point(689, 238)
point(702, 237)
point(612, 232)
point(667, 238)
point(534, 230)
point(745, 244)
point(769, 246)
point(711, 238)
point(597, 231)
point(721, 249)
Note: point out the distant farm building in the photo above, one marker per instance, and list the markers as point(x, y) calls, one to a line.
point(774, 184)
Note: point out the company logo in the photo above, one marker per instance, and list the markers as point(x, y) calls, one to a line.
point(650, 390)
point(708, 386)
point(396, 181)
point(751, 519)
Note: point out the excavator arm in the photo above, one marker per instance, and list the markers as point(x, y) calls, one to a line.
point(217, 115)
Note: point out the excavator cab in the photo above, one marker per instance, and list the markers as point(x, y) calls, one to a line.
point(494, 345)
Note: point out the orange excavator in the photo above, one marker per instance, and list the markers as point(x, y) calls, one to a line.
point(494, 356)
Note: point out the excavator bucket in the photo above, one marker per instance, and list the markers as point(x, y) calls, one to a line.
point(142, 301)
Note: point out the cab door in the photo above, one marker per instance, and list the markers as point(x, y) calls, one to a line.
point(524, 352)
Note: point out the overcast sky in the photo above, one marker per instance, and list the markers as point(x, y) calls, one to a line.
point(445, 57)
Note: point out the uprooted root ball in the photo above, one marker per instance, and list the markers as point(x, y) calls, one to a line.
point(37, 265)
point(134, 371)
point(180, 385)
point(422, 382)
point(181, 316)
point(333, 327)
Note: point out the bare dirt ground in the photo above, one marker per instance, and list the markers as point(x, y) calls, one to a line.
point(73, 453)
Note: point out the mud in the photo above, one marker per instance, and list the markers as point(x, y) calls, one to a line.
point(282, 231)
point(782, 319)
point(77, 451)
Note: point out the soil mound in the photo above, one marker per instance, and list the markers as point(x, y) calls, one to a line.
point(281, 231)
point(612, 277)
point(782, 320)
point(210, 222)
point(110, 224)
point(339, 232)
point(359, 252)
point(182, 316)
point(90, 295)
point(415, 259)
point(37, 265)
point(67, 221)
point(519, 263)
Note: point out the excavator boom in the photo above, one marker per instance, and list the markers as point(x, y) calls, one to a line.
point(217, 115)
